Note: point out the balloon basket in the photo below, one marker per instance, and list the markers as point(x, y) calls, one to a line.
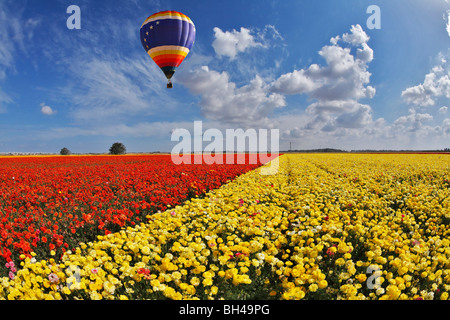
point(169, 85)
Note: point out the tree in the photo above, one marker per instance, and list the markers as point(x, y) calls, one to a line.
point(118, 148)
point(64, 152)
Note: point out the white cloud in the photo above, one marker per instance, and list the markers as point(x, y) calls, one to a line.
point(413, 121)
point(110, 88)
point(222, 100)
point(338, 86)
point(445, 128)
point(230, 43)
point(356, 37)
point(47, 110)
point(99, 96)
point(443, 110)
point(296, 82)
point(412, 131)
point(435, 85)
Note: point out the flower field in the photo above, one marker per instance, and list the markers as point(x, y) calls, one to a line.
point(325, 226)
point(53, 203)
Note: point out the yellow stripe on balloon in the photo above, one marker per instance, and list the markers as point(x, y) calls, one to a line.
point(162, 50)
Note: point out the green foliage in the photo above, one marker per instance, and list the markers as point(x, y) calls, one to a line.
point(118, 148)
point(64, 152)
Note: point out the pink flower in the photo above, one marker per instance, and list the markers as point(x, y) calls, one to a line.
point(11, 275)
point(53, 278)
point(94, 270)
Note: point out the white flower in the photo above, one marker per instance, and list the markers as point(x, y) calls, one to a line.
point(380, 291)
point(429, 296)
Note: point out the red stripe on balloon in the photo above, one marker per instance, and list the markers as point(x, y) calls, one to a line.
point(172, 60)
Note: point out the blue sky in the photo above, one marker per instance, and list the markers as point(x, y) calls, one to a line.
point(312, 69)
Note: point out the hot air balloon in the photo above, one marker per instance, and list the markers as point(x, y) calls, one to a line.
point(167, 37)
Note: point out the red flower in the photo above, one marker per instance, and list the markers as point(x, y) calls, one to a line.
point(90, 195)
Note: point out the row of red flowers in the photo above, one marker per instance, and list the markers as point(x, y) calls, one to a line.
point(53, 203)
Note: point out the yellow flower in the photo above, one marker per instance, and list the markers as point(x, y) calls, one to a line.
point(207, 282)
point(94, 295)
point(323, 284)
point(195, 281)
point(402, 270)
point(340, 262)
point(66, 290)
point(361, 277)
point(392, 291)
point(295, 293)
point(214, 290)
point(313, 287)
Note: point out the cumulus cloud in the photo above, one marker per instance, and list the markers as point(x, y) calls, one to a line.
point(445, 128)
point(356, 37)
point(413, 121)
point(436, 84)
point(443, 110)
point(230, 43)
point(296, 82)
point(222, 99)
point(47, 110)
point(338, 85)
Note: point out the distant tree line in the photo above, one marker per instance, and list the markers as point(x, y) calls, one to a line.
point(116, 148)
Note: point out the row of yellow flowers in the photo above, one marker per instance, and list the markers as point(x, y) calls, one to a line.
point(325, 226)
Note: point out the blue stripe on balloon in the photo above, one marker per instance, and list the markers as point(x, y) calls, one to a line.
point(168, 32)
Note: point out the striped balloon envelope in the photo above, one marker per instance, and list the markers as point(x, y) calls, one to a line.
point(167, 37)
